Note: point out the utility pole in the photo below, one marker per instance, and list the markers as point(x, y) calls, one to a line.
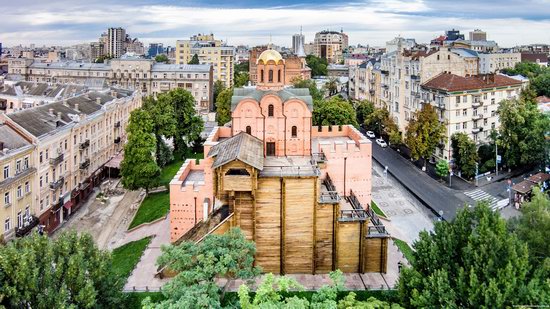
point(450, 176)
point(496, 157)
point(476, 173)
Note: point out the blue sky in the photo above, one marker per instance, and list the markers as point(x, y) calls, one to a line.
point(373, 22)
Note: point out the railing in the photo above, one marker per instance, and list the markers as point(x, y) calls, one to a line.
point(477, 104)
point(329, 197)
point(319, 157)
point(57, 160)
point(386, 72)
point(57, 184)
point(353, 215)
point(117, 140)
point(85, 164)
point(415, 76)
point(478, 116)
point(117, 124)
point(28, 224)
point(85, 144)
point(477, 130)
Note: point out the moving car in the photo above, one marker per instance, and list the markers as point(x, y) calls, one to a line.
point(370, 134)
point(381, 142)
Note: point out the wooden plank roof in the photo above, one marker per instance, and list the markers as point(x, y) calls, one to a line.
point(243, 147)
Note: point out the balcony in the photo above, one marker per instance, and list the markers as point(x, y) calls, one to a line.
point(55, 161)
point(477, 130)
point(372, 82)
point(415, 94)
point(386, 72)
point(117, 124)
point(329, 197)
point(84, 144)
point(57, 184)
point(84, 165)
point(371, 91)
point(56, 206)
point(117, 140)
point(477, 104)
point(23, 173)
point(28, 224)
point(478, 116)
point(385, 86)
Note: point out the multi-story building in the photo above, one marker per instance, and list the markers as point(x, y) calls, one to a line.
point(134, 46)
point(494, 62)
point(116, 38)
point(22, 95)
point(17, 189)
point(298, 41)
point(468, 104)
point(209, 51)
point(477, 35)
point(149, 77)
point(155, 49)
point(330, 45)
point(540, 58)
point(300, 192)
point(72, 140)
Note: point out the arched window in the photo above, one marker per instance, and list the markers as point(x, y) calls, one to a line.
point(261, 76)
point(278, 76)
point(270, 109)
point(294, 131)
point(270, 76)
point(249, 130)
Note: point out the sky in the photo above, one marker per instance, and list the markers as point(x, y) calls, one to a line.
point(253, 22)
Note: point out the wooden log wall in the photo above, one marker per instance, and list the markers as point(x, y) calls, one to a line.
point(375, 255)
point(324, 225)
point(268, 224)
point(347, 255)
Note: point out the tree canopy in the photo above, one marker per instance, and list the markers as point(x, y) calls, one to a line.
point(379, 121)
point(424, 132)
point(442, 168)
point(334, 111)
point(68, 272)
point(139, 168)
point(161, 112)
point(194, 59)
point(538, 75)
point(317, 65)
point(189, 124)
point(471, 262)
point(162, 58)
point(464, 153)
point(315, 93)
point(197, 265)
point(218, 87)
point(223, 106)
point(363, 109)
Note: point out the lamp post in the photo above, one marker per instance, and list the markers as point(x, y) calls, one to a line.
point(476, 172)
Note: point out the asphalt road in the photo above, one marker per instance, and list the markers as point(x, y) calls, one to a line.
point(440, 199)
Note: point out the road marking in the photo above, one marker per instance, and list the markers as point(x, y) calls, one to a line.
point(480, 195)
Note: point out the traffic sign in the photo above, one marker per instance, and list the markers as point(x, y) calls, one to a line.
point(499, 159)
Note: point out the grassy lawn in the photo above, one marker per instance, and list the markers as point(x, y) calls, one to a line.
point(134, 299)
point(405, 248)
point(125, 258)
point(154, 206)
point(170, 170)
point(377, 209)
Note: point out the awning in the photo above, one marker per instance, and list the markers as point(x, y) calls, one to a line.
point(68, 205)
point(539, 178)
point(523, 187)
point(115, 161)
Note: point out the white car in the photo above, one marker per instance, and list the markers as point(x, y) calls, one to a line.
point(381, 142)
point(370, 134)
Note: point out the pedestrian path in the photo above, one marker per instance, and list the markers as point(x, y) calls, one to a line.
point(480, 195)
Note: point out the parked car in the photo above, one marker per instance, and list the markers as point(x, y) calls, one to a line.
point(381, 142)
point(370, 134)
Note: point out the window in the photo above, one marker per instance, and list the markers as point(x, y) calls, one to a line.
point(41, 184)
point(457, 126)
point(270, 110)
point(6, 172)
point(17, 166)
point(261, 76)
point(457, 112)
point(26, 163)
point(40, 158)
point(294, 131)
point(270, 76)
point(7, 224)
point(493, 101)
point(465, 99)
point(19, 219)
point(237, 172)
point(278, 76)
point(19, 191)
point(248, 130)
point(7, 198)
point(475, 111)
point(457, 100)
point(46, 154)
point(448, 57)
point(27, 187)
point(270, 149)
point(464, 112)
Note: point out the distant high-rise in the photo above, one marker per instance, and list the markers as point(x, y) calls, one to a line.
point(330, 45)
point(155, 49)
point(115, 42)
point(478, 35)
point(298, 41)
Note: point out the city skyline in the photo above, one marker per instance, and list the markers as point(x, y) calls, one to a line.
point(253, 22)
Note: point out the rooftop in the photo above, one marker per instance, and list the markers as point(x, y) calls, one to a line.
point(23, 88)
point(289, 166)
point(10, 139)
point(243, 147)
point(451, 82)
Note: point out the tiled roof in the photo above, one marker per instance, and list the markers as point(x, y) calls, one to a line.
point(243, 147)
point(451, 82)
point(525, 57)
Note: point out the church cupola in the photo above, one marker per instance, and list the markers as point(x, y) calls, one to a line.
point(271, 70)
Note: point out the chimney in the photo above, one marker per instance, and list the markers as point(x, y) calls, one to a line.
point(51, 112)
point(98, 100)
point(76, 107)
point(87, 96)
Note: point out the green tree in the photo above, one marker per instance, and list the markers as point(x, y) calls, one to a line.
point(541, 83)
point(223, 107)
point(471, 262)
point(102, 58)
point(527, 69)
point(522, 129)
point(161, 111)
point(317, 65)
point(68, 272)
point(138, 168)
point(332, 86)
point(334, 111)
point(464, 153)
point(197, 266)
point(242, 67)
point(380, 121)
point(442, 168)
point(218, 87)
point(161, 58)
point(189, 124)
point(363, 110)
point(194, 59)
point(424, 133)
point(241, 79)
point(315, 93)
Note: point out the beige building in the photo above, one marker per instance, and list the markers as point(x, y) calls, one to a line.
point(73, 139)
point(133, 73)
point(16, 183)
point(468, 104)
point(330, 45)
point(210, 51)
point(494, 62)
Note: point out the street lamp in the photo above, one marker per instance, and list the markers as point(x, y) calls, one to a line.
point(476, 172)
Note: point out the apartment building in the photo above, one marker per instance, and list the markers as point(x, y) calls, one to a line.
point(73, 139)
point(330, 45)
point(149, 77)
point(116, 38)
point(16, 96)
point(468, 104)
point(16, 183)
point(494, 62)
point(210, 51)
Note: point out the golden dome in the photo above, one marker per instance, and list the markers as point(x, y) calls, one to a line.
point(270, 54)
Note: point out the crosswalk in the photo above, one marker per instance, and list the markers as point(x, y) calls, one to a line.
point(480, 195)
